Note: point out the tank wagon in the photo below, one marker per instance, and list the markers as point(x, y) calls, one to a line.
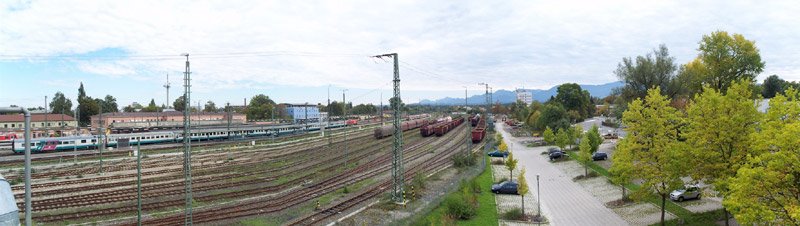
point(388, 130)
point(479, 132)
point(445, 127)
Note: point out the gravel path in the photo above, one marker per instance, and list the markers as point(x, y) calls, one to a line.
point(564, 202)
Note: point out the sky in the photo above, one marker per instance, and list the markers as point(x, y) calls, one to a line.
point(295, 51)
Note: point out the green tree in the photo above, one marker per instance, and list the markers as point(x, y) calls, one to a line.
point(260, 107)
point(549, 137)
point(179, 104)
point(86, 106)
point(562, 138)
point(594, 138)
point(109, 104)
point(553, 115)
point(765, 190)
point(395, 101)
point(656, 69)
point(621, 171)
point(60, 104)
point(210, 107)
point(585, 154)
point(652, 146)
point(511, 165)
point(522, 188)
point(574, 98)
point(728, 58)
point(772, 85)
point(720, 150)
point(152, 107)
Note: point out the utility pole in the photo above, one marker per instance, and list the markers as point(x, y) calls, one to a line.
point(486, 147)
point(344, 113)
point(167, 85)
point(187, 143)
point(381, 109)
point(305, 120)
point(27, 144)
point(329, 115)
point(46, 123)
point(101, 138)
point(397, 149)
point(469, 140)
point(228, 110)
point(138, 182)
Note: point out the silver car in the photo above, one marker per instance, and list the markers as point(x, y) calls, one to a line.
point(689, 192)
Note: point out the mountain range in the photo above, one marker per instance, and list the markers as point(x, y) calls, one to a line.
point(506, 96)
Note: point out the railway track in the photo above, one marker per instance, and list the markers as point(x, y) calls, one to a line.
point(320, 216)
point(116, 196)
point(369, 170)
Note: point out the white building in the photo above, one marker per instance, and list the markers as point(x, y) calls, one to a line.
point(524, 95)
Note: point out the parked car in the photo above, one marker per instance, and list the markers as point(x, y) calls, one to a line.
point(599, 156)
point(557, 155)
point(498, 153)
point(551, 150)
point(688, 192)
point(505, 187)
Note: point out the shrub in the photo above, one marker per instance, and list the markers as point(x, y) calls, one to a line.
point(418, 181)
point(514, 214)
point(458, 208)
point(475, 186)
point(464, 160)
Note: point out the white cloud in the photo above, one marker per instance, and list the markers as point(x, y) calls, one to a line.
point(536, 44)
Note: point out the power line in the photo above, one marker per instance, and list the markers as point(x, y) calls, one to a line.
point(157, 57)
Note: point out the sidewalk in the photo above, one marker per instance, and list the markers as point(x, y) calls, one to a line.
point(564, 202)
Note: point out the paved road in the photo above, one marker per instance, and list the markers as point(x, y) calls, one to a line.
point(563, 202)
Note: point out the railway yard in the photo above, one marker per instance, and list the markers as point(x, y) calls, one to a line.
point(232, 180)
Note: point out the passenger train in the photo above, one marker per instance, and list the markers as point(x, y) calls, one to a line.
point(91, 142)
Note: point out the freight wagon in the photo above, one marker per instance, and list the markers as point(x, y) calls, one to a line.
point(388, 130)
point(445, 127)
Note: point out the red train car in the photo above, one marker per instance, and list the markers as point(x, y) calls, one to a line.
point(478, 134)
point(352, 122)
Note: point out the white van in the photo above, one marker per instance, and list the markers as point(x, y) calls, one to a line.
point(9, 214)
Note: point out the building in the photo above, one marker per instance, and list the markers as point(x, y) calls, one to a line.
point(302, 113)
point(54, 123)
point(164, 119)
point(524, 96)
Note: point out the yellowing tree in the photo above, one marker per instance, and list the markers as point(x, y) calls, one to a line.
point(621, 171)
point(522, 188)
point(511, 164)
point(562, 138)
point(719, 131)
point(549, 136)
point(585, 154)
point(766, 189)
point(502, 147)
point(652, 146)
point(728, 58)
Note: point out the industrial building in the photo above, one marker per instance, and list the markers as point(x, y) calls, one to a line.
point(302, 113)
point(163, 119)
point(54, 123)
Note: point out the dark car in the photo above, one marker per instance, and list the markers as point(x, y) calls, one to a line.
point(505, 187)
point(557, 155)
point(599, 156)
point(497, 153)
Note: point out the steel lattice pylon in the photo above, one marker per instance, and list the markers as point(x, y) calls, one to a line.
point(397, 150)
point(187, 145)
